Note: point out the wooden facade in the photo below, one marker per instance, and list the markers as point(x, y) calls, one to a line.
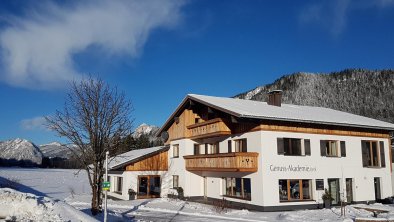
point(225, 162)
point(157, 162)
point(210, 128)
point(178, 129)
point(315, 130)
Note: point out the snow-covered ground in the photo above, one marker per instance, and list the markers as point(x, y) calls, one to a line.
point(60, 195)
point(19, 206)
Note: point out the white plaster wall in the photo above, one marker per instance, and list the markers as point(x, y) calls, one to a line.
point(191, 183)
point(264, 182)
point(214, 179)
point(326, 167)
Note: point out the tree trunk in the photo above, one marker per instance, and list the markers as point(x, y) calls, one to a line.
point(95, 204)
point(95, 194)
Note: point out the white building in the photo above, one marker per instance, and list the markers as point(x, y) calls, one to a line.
point(271, 156)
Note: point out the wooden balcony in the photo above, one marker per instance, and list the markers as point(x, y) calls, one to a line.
point(223, 162)
point(210, 128)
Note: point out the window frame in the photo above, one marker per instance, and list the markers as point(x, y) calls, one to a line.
point(175, 180)
point(301, 187)
point(233, 188)
point(326, 148)
point(175, 151)
point(213, 148)
point(379, 147)
point(241, 145)
point(118, 186)
point(330, 148)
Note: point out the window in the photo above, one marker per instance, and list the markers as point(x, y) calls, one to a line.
point(373, 153)
point(238, 187)
point(213, 148)
point(294, 190)
point(319, 184)
point(241, 145)
point(196, 149)
point(118, 184)
point(175, 181)
point(175, 151)
point(229, 146)
point(294, 147)
point(332, 148)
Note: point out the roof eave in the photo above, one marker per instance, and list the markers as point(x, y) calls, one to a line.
point(318, 122)
point(164, 148)
point(166, 125)
point(171, 118)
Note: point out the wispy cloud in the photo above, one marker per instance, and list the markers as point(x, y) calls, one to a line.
point(36, 123)
point(333, 15)
point(37, 48)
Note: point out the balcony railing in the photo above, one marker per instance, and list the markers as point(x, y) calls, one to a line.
point(225, 162)
point(210, 128)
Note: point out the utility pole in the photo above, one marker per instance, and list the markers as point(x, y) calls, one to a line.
point(106, 190)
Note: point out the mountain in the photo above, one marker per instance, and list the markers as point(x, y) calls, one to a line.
point(56, 149)
point(19, 152)
point(359, 91)
point(144, 136)
point(146, 130)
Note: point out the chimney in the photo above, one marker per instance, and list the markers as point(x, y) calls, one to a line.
point(275, 98)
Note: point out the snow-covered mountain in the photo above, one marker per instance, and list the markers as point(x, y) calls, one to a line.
point(20, 150)
point(145, 129)
point(363, 92)
point(56, 149)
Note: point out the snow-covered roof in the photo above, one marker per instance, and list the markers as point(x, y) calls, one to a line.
point(286, 112)
point(133, 156)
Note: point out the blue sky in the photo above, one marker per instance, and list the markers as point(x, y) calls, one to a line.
point(159, 51)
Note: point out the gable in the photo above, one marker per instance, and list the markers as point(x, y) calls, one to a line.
point(157, 162)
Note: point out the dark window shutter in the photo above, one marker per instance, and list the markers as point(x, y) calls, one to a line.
point(343, 149)
point(245, 146)
point(307, 146)
point(229, 146)
point(206, 148)
point(382, 159)
point(365, 153)
point(323, 148)
point(281, 149)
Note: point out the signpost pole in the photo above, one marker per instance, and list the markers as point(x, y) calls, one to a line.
point(106, 190)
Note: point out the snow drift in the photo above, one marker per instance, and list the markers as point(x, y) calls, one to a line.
point(17, 206)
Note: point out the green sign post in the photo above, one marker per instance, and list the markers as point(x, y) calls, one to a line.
point(106, 185)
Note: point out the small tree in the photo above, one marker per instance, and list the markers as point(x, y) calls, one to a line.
point(95, 118)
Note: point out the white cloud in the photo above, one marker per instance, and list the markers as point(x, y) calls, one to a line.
point(38, 48)
point(333, 15)
point(36, 123)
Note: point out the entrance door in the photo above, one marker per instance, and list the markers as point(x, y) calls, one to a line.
point(142, 186)
point(154, 186)
point(349, 190)
point(377, 188)
point(333, 187)
point(149, 186)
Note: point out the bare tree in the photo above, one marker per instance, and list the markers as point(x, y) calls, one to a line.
point(95, 118)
